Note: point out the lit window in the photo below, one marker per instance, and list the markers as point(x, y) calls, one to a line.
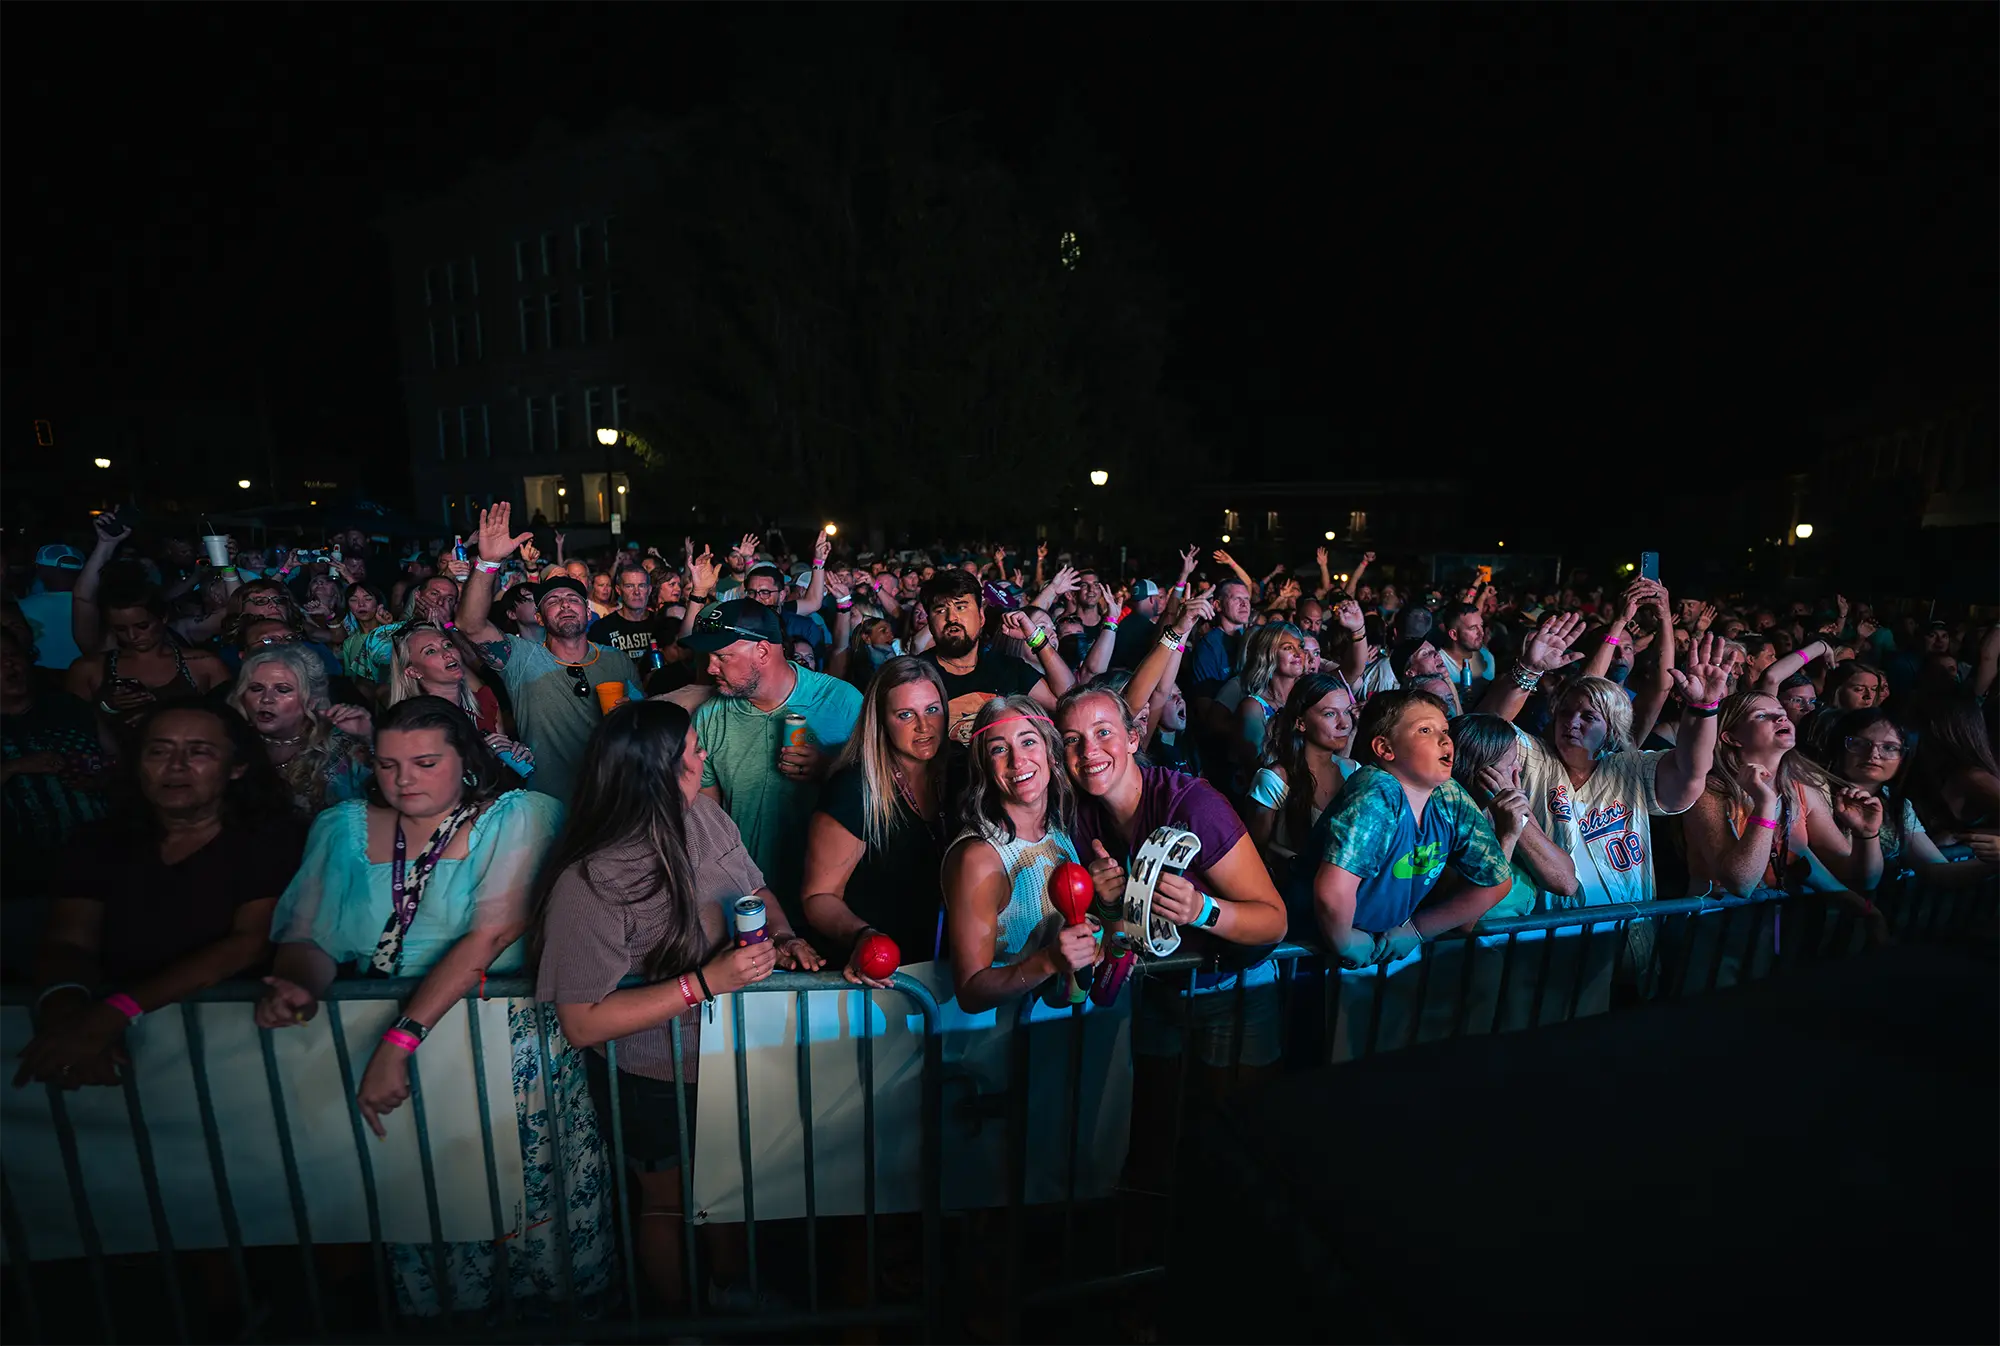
point(1357, 521)
point(1071, 249)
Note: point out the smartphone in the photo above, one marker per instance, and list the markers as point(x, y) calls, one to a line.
point(1649, 566)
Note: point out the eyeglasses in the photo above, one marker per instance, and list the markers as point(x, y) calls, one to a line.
point(1873, 747)
point(762, 593)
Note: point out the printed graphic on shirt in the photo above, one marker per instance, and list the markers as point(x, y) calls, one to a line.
point(1559, 808)
point(965, 709)
point(1426, 862)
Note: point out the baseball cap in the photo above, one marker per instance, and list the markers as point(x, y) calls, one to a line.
point(802, 575)
point(59, 557)
point(1414, 622)
point(721, 625)
point(1143, 589)
point(557, 582)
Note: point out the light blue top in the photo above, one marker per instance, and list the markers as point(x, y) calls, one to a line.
point(1030, 920)
point(340, 902)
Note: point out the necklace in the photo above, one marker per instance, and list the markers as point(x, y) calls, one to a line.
point(910, 798)
point(283, 742)
point(595, 655)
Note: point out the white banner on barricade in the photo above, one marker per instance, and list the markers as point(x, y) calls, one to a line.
point(319, 1115)
point(978, 1059)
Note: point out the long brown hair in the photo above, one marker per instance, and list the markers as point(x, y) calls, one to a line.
point(870, 749)
point(1794, 768)
point(1285, 748)
point(628, 790)
point(983, 810)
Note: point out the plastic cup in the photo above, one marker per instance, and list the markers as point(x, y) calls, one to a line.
point(611, 695)
point(217, 547)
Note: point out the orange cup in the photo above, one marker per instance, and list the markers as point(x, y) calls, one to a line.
point(611, 695)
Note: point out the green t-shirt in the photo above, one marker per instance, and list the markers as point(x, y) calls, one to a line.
point(770, 809)
point(549, 716)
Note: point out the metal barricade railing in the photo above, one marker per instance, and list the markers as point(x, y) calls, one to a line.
point(1540, 969)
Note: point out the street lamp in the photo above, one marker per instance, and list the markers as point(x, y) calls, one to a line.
point(1225, 537)
point(621, 488)
point(1100, 477)
point(832, 529)
point(102, 462)
point(1803, 531)
point(1329, 535)
point(606, 436)
point(243, 484)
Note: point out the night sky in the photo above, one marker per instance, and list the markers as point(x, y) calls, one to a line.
point(1401, 240)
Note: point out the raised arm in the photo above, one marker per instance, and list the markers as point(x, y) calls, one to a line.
point(1065, 581)
point(1682, 775)
point(497, 542)
point(1599, 663)
point(1056, 677)
point(1651, 696)
point(1353, 656)
point(1354, 575)
point(703, 576)
point(86, 622)
point(815, 592)
point(1774, 676)
point(1099, 659)
point(1163, 661)
point(1224, 558)
point(1325, 576)
point(1546, 651)
point(1984, 671)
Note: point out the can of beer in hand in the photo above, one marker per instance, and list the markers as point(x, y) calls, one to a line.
point(748, 915)
point(795, 732)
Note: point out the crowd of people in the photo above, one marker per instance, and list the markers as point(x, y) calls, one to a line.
point(469, 759)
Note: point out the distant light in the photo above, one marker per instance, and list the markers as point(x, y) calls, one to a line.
point(1804, 530)
point(832, 529)
point(1343, 579)
point(621, 490)
point(1225, 537)
point(607, 437)
point(1628, 567)
point(1329, 535)
point(243, 484)
point(312, 502)
point(562, 490)
point(102, 462)
point(1099, 477)
point(1503, 544)
point(1071, 249)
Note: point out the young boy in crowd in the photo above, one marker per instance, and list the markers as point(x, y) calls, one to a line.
point(1385, 844)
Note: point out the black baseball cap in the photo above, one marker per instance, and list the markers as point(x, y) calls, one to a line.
point(556, 582)
point(721, 625)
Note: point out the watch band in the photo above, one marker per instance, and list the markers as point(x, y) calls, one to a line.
point(408, 1025)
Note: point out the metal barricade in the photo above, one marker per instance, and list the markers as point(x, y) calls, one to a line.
point(1062, 1254)
point(29, 1316)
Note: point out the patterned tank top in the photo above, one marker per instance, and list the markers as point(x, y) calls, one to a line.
point(1030, 920)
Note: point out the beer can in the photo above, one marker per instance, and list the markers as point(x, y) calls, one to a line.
point(795, 731)
point(748, 915)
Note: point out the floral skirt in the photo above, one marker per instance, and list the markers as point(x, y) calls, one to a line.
point(560, 1119)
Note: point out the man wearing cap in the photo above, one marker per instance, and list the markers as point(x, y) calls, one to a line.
point(560, 685)
point(47, 606)
point(768, 786)
point(1139, 632)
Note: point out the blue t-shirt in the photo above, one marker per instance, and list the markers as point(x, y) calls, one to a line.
point(1371, 833)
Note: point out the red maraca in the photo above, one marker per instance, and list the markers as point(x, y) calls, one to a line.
point(1071, 890)
point(877, 956)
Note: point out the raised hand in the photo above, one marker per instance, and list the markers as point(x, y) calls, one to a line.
point(1017, 624)
point(1041, 551)
point(1548, 649)
point(1706, 619)
point(1368, 558)
point(1347, 613)
point(822, 548)
point(1189, 560)
point(1319, 555)
point(1197, 609)
point(1223, 558)
point(703, 574)
point(110, 532)
point(1859, 811)
point(747, 548)
point(1065, 582)
point(497, 540)
point(1706, 680)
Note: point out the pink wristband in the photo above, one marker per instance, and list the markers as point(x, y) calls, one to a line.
point(1771, 823)
point(1611, 640)
point(125, 1005)
point(1713, 705)
point(396, 1037)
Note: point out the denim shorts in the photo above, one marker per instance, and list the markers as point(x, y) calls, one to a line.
point(1167, 1009)
point(651, 1120)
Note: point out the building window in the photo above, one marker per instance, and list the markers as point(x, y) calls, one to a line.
point(534, 423)
point(441, 434)
point(552, 319)
point(472, 277)
point(607, 238)
point(1231, 521)
point(520, 259)
point(618, 407)
point(464, 432)
point(451, 281)
point(457, 341)
point(430, 285)
point(478, 337)
point(583, 298)
point(432, 325)
point(485, 435)
point(611, 315)
point(1271, 521)
point(540, 495)
point(586, 247)
point(556, 422)
point(530, 320)
point(593, 408)
point(1357, 521)
point(548, 254)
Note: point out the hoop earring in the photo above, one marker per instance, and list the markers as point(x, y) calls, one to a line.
point(469, 780)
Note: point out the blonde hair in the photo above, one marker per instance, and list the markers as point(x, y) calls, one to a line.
point(400, 686)
point(309, 674)
point(1260, 658)
point(1610, 703)
point(1794, 768)
point(870, 749)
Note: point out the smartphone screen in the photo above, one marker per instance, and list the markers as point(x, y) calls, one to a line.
point(1649, 565)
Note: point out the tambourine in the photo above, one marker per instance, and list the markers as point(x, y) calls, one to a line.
point(1169, 850)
